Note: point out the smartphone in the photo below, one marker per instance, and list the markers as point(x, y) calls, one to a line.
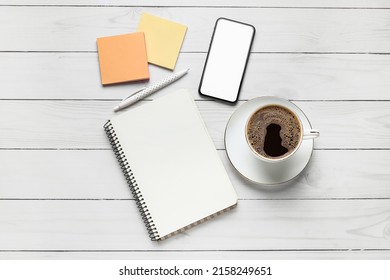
point(226, 60)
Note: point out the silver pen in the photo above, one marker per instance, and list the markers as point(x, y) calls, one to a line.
point(146, 91)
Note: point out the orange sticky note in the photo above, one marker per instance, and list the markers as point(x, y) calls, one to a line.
point(163, 39)
point(123, 58)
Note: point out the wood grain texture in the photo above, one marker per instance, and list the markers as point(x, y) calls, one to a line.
point(198, 255)
point(213, 3)
point(78, 124)
point(330, 57)
point(292, 76)
point(265, 225)
point(91, 174)
point(44, 28)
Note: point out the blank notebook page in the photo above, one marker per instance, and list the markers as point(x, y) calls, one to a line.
point(174, 162)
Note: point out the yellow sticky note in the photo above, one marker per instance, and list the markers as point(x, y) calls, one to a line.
point(163, 39)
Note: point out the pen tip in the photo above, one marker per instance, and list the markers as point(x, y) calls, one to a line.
point(116, 109)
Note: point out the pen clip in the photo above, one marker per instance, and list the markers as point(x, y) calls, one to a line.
point(133, 93)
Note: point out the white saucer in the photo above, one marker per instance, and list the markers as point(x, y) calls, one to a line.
point(248, 164)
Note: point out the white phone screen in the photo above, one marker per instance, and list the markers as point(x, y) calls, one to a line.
point(226, 61)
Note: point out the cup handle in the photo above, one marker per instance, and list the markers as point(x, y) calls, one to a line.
point(311, 134)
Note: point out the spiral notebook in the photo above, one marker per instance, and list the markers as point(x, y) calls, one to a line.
point(170, 164)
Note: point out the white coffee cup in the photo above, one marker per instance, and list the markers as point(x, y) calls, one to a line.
point(285, 106)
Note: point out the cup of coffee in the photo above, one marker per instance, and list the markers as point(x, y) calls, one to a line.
point(274, 132)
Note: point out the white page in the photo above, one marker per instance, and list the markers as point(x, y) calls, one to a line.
point(174, 161)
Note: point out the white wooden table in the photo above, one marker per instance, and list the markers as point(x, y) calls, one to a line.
point(62, 194)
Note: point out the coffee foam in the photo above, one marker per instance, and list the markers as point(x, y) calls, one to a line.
point(290, 132)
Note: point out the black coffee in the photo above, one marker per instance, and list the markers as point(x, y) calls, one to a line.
point(273, 132)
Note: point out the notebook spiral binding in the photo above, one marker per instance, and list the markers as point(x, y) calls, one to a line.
point(142, 207)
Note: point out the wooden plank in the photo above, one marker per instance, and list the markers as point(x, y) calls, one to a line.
point(199, 255)
point(61, 175)
point(355, 123)
point(330, 174)
point(44, 28)
point(292, 76)
point(214, 3)
point(96, 175)
point(253, 225)
point(78, 124)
